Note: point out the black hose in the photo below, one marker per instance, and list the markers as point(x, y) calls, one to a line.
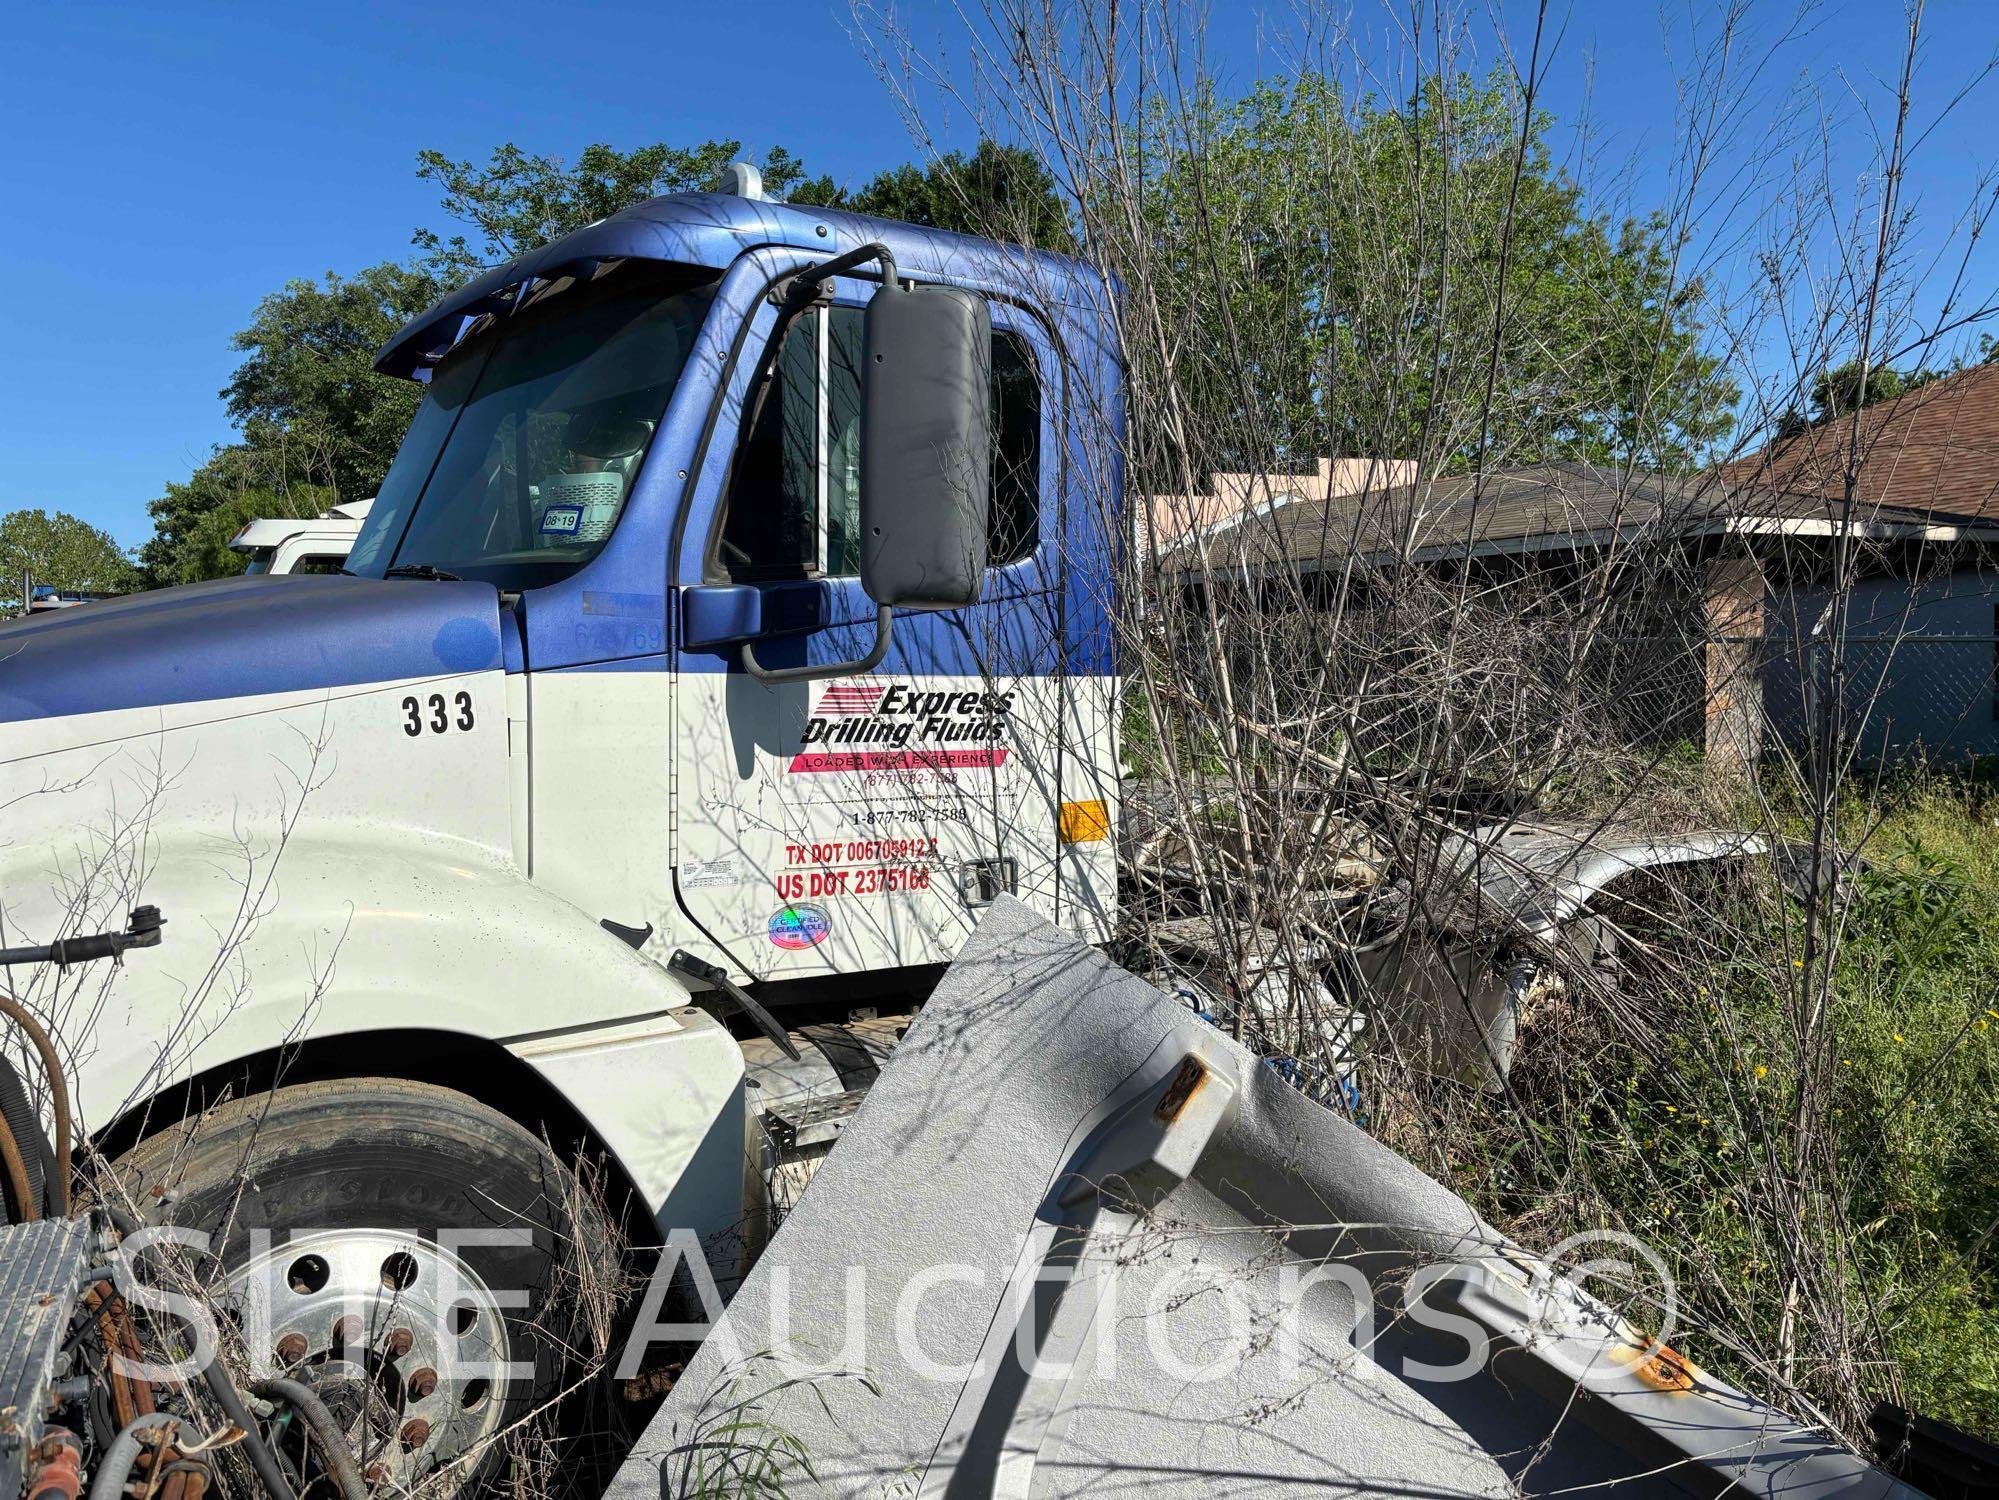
point(262, 1459)
point(226, 1396)
point(45, 1049)
point(114, 1469)
point(142, 930)
point(332, 1440)
point(36, 1153)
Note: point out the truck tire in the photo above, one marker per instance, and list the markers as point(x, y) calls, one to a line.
point(395, 1244)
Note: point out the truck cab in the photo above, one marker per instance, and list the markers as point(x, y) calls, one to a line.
point(316, 544)
point(663, 662)
point(655, 463)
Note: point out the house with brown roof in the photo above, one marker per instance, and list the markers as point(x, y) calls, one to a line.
point(1721, 576)
point(1934, 451)
point(1166, 520)
point(1914, 668)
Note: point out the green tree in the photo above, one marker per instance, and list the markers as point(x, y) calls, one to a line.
point(205, 551)
point(308, 371)
point(1354, 277)
point(318, 424)
point(1001, 192)
point(517, 202)
point(272, 472)
point(60, 550)
point(315, 417)
point(1841, 390)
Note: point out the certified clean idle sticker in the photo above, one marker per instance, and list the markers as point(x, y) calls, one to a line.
point(561, 520)
point(800, 925)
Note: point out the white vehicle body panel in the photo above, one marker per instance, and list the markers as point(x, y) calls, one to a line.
point(309, 894)
point(827, 827)
point(281, 544)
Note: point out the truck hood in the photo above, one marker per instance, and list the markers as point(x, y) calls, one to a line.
point(240, 637)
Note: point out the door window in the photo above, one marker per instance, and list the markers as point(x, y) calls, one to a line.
point(1015, 527)
point(794, 506)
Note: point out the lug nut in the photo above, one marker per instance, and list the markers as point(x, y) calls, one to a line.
point(400, 1341)
point(415, 1432)
point(347, 1330)
point(291, 1348)
point(375, 1473)
point(422, 1382)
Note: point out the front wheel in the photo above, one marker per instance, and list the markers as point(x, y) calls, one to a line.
point(417, 1258)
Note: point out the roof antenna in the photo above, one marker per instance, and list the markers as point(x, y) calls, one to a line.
point(741, 180)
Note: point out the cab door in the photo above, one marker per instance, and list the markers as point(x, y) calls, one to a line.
point(858, 822)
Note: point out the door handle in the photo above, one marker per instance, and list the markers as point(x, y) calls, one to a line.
point(774, 676)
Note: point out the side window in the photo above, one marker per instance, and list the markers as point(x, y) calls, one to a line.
point(771, 528)
point(843, 443)
point(1015, 526)
point(319, 563)
point(799, 456)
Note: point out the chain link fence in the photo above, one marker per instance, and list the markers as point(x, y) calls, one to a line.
point(1899, 697)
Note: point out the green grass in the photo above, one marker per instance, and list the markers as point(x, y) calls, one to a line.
point(1675, 1111)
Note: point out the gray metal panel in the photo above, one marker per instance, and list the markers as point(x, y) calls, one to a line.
point(1538, 877)
point(1047, 1107)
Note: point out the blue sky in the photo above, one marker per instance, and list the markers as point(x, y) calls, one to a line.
point(167, 165)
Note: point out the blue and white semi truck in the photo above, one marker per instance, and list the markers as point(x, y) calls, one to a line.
point(734, 618)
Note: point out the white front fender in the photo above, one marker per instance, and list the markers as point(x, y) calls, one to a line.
point(340, 938)
point(337, 936)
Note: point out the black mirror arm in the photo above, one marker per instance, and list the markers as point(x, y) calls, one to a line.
point(839, 265)
point(816, 276)
point(773, 676)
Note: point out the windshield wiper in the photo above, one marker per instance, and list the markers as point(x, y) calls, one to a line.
point(424, 571)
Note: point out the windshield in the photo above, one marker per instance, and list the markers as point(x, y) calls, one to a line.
point(526, 446)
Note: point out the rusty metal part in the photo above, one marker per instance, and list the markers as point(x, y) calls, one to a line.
point(1186, 1082)
point(55, 1471)
point(348, 1329)
point(185, 1480)
point(17, 1175)
point(400, 1342)
point(58, 1089)
point(421, 1382)
point(1660, 1366)
point(415, 1433)
point(292, 1348)
point(130, 1398)
point(651, 1383)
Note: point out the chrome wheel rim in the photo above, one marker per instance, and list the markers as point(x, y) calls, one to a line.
point(403, 1341)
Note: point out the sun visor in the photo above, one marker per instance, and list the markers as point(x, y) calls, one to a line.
point(700, 229)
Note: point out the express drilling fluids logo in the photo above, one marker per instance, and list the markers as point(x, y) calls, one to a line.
point(864, 726)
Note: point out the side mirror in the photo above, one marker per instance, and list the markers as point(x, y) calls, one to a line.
point(926, 446)
point(926, 458)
